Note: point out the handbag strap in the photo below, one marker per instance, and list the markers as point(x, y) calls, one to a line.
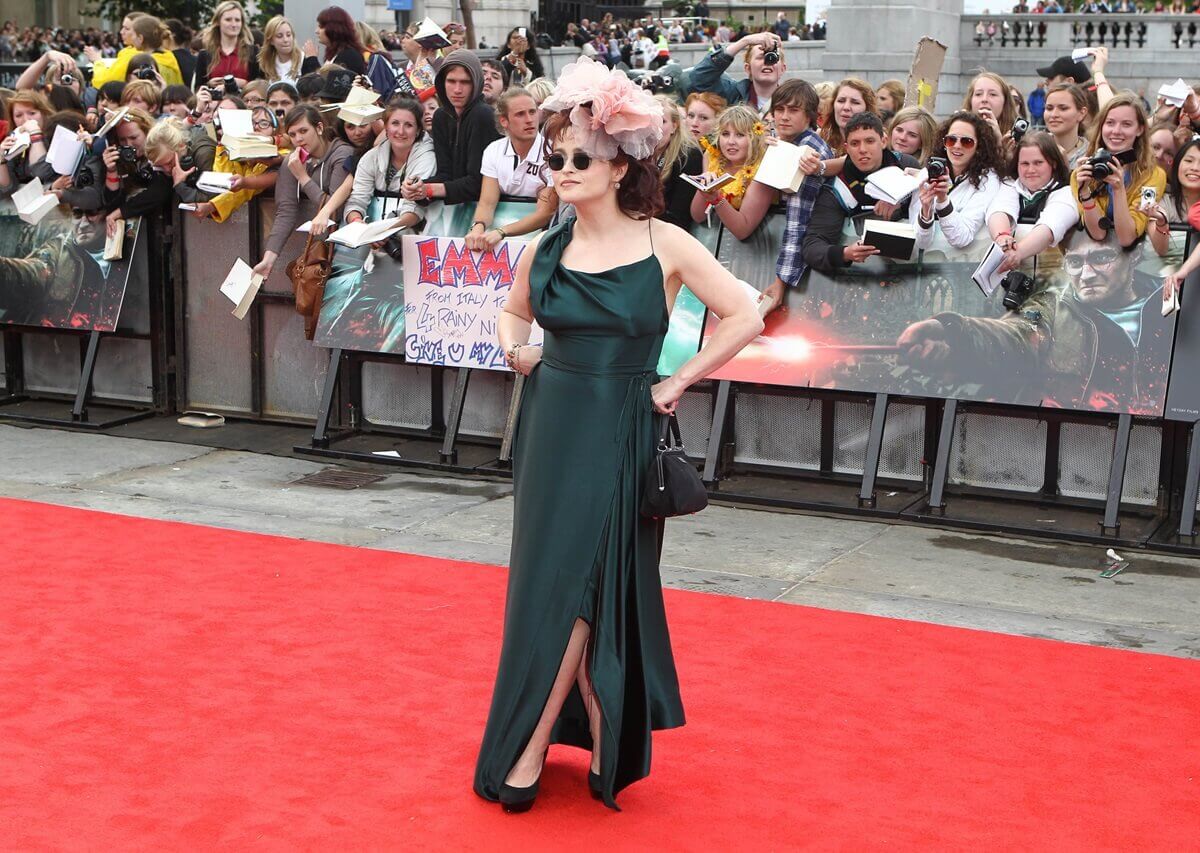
point(669, 436)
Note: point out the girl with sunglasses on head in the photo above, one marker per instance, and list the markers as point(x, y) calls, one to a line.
point(1112, 202)
point(586, 658)
point(1182, 196)
point(956, 203)
point(1036, 191)
point(1065, 115)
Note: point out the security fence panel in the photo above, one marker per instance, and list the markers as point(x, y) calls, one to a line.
point(293, 369)
point(216, 345)
point(397, 395)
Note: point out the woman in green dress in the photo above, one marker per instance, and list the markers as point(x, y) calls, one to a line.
point(586, 657)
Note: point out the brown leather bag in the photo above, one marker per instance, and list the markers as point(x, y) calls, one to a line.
point(308, 274)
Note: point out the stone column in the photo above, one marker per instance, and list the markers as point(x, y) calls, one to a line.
point(876, 40)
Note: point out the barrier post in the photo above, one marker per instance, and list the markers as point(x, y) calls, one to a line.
point(1191, 484)
point(320, 437)
point(866, 495)
point(716, 437)
point(14, 368)
point(448, 454)
point(941, 463)
point(1111, 526)
point(79, 410)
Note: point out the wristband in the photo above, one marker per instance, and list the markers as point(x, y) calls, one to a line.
point(479, 222)
point(503, 234)
point(429, 191)
point(35, 137)
point(1091, 206)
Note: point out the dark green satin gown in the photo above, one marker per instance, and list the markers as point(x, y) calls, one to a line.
point(584, 440)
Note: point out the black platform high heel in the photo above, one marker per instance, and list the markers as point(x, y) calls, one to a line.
point(595, 785)
point(517, 800)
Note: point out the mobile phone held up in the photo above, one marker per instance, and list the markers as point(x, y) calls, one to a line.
point(304, 155)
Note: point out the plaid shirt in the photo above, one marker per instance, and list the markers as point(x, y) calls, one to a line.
point(790, 266)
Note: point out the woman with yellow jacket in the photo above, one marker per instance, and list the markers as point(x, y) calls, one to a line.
point(143, 34)
point(1109, 187)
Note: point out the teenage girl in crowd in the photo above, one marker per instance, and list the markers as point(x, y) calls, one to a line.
point(956, 204)
point(1113, 203)
point(1065, 115)
point(989, 97)
point(28, 111)
point(677, 154)
point(1037, 191)
point(1182, 196)
point(738, 151)
point(912, 131)
point(702, 109)
point(850, 97)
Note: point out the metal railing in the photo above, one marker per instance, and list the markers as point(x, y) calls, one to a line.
point(1151, 32)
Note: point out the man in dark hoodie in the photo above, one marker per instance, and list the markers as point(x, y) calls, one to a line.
point(463, 126)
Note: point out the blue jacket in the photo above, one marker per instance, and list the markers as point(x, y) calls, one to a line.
point(709, 76)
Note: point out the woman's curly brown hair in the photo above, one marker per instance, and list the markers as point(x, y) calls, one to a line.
point(988, 157)
point(640, 193)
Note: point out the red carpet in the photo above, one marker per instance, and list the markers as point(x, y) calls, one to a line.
point(166, 686)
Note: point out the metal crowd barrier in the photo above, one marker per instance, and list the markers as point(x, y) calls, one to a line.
point(96, 379)
point(1072, 474)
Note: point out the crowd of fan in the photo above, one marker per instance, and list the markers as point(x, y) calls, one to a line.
point(457, 128)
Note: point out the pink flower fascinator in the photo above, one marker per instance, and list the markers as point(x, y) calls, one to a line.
point(607, 110)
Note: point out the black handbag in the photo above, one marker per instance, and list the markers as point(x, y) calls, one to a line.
point(672, 485)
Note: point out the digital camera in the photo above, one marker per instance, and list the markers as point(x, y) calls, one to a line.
point(1019, 129)
point(657, 82)
point(1017, 288)
point(126, 160)
point(144, 73)
point(937, 167)
point(771, 56)
point(1102, 163)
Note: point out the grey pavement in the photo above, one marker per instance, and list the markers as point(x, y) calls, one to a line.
point(1032, 588)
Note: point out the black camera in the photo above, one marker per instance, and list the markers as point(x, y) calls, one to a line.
point(1102, 163)
point(83, 177)
point(394, 248)
point(771, 56)
point(127, 158)
point(67, 79)
point(1017, 288)
point(186, 162)
point(657, 82)
point(145, 73)
point(229, 85)
point(937, 167)
point(1019, 129)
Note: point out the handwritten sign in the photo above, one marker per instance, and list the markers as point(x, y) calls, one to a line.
point(923, 77)
point(452, 301)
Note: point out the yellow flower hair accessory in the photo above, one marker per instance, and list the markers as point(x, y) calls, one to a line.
point(759, 128)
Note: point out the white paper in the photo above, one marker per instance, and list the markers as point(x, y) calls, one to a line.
point(892, 184)
point(65, 151)
point(359, 97)
point(236, 122)
point(240, 287)
point(306, 227)
point(986, 275)
point(190, 208)
point(389, 453)
point(1079, 54)
point(215, 182)
point(33, 202)
point(1175, 93)
point(360, 233)
point(780, 167)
